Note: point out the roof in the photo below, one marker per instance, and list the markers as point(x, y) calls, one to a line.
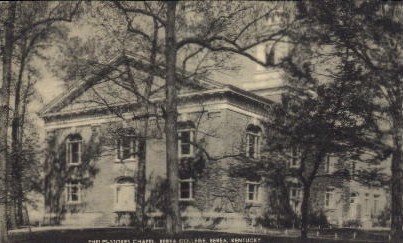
point(209, 86)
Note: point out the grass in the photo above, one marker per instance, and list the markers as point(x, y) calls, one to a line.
point(129, 235)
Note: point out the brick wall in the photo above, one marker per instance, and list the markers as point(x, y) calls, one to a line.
point(221, 133)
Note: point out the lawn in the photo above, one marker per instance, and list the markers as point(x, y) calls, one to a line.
point(128, 235)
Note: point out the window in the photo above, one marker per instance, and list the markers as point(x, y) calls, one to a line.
point(253, 134)
point(126, 148)
point(366, 206)
point(294, 193)
point(186, 189)
point(252, 191)
point(329, 198)
point(185, 146)
point(329, 164)
point(73, 193)
point(125, 195)
point(295, 157)
point(375, 208)
point(295, 198)
point(353, 168)
point(354, 207)
point(353, 197)
point(73, 147)
point(158, 223)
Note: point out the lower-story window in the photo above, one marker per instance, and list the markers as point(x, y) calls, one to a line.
point(158, 222)
point(73, 193)
point(186, 189)
point(375, 209)
point(252, 191)
point(125, 197)
point(329, 199)
point(295, 194)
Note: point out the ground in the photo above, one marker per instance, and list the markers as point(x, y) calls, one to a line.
point(129, 235)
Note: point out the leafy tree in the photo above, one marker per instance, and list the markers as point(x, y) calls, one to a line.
point(317, 118)
point(20, 24)
point(4, 115)
point(198, 38)
point(371, 32)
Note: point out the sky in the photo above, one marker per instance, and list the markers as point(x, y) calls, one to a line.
point(50, 86)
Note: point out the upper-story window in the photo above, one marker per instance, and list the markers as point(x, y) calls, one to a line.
point(330, 162)
point(186, 140)
point(295, 157)
point(126, 148)
point(186, 189)
point(252, 191)
point(74, 149)
point(295, 193)
point(353, 168)
point(253, 136)
point(73, 193)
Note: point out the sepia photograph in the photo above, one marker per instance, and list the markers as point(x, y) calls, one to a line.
point(201, 121)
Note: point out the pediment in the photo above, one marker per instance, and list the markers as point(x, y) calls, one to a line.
point(112, 88)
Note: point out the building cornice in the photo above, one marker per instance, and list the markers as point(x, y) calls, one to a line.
point(184, 98)
point(107, 118)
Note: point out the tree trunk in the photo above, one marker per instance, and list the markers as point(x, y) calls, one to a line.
point(142, 180)
point(173, 214)
point(305, 211)
point(4, 116)
point(396, 186)
point(16, 128)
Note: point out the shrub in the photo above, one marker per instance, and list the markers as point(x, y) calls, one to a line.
point(383, 219)
point(353, 223)
point(277, 221)
point(318, 219)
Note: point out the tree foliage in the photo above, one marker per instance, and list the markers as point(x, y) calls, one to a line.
point(370, 33)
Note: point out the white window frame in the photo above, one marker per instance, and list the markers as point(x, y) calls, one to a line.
point(255, 193)
point(256, 144)
point(329, 197)
point(295, 153)
point(191, 138)
point(298, 193)
point(353, 168)
point(69, 151)
point(158, 220)
point(367, 205)
point(132, 150)
point(68, 193)
point(295, 200)
point(329, 165)
point(375, 205)
point(191, 188)
point(353, 202)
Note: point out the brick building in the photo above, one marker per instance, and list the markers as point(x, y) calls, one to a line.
point(91, 168)
point(342, 200)
point(224, 122)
